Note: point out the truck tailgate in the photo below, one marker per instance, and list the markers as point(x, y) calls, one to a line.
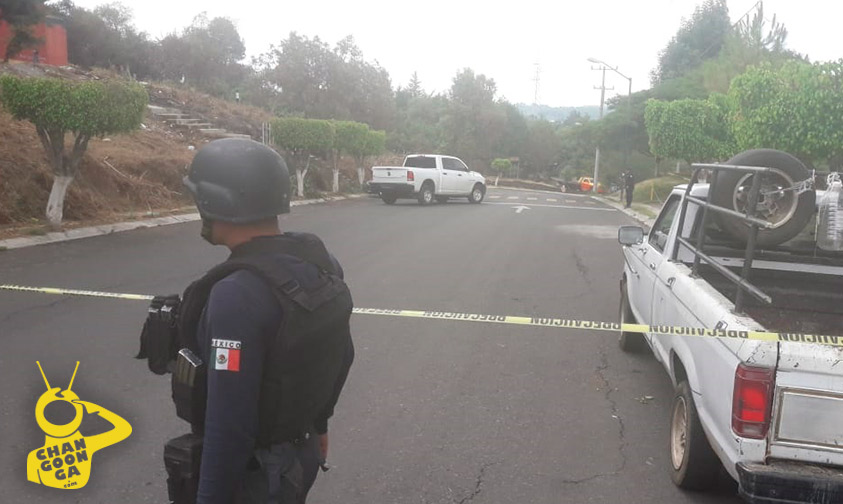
point(808, 406)
point(387, 174)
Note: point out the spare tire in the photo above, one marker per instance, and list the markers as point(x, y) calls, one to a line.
point(787, 211)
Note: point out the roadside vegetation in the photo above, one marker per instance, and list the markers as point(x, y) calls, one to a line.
point(656, 190)
point(719, 87)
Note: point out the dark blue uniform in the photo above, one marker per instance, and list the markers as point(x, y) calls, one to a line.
point(242, 308)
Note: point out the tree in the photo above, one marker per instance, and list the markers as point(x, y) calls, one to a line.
point(754, 33)
point(500, 166)
point(473, 124)
point(107, 38)
point(543, 148)
point(21, 15)
point(513, 142)
point(86, 109)
point(350, 137)
point(691, 130)
point(698, 39)
point(414, 88)
point(418, 121)
point(302, 139)
point(577, 145)
point(205, 55)
point(374, 145)
point(328, 83)
point(797, 108)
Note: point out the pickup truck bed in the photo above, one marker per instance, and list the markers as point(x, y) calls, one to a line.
point(806, 303)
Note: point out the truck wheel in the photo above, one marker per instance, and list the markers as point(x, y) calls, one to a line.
point(631, 342)
point(787, 211)
point(389, 199)
point(441, 199)
point(695, 466)
point(426, 195)
point(477, 194)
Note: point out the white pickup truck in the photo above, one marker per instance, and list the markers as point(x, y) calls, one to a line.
point(770, 413)
point(428, 178)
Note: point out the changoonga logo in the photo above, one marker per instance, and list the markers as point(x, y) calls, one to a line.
point(65, 459)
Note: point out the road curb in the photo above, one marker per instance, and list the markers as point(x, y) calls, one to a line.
point(119, 227)
point(533, 190)
point(640, 217)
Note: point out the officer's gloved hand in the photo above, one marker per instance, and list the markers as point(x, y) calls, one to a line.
point(323, 446)
point(158, 340)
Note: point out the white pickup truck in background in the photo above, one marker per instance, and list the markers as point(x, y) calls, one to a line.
point(427, 178)
point(770, 413)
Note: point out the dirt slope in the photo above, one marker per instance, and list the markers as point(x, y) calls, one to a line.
point(125, 176)
point(120, 175)
point(145, 173)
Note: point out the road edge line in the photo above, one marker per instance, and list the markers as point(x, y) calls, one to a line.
point(120, 227)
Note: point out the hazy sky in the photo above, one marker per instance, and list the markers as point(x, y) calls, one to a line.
point(502, 40)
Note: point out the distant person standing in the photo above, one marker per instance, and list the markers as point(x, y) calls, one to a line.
point(628, 186)
point(237, 95)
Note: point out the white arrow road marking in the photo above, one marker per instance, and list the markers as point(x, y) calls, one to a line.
point(521, 208)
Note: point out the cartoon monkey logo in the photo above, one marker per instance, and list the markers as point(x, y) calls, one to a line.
point(65, 459)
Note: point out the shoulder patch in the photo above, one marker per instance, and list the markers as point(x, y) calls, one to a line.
point(224, 343)
point(226, 354)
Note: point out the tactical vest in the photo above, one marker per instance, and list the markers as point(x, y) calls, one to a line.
point(306, 355)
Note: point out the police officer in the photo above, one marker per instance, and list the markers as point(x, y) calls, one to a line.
point(629, 186)
point(272, 324)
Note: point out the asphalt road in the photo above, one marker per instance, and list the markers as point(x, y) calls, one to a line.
point(433, 412)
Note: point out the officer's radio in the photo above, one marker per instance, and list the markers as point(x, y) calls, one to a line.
point(182, 455)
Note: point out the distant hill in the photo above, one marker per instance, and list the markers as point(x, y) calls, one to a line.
point(557, 114)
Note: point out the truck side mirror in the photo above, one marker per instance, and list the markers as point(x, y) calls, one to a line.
point(630, 235)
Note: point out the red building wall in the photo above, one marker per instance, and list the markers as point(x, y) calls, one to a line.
point(52, 51)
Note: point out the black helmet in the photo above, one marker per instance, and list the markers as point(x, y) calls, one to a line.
point(239, 181)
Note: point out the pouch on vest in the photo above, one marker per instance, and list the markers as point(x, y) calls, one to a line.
point(159, 334)
point(188, 382)
point(182, 458)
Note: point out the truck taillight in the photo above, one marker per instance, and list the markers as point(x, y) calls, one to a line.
point(752, 401)
point(410, 176)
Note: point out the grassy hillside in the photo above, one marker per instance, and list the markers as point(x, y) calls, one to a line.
point(657, 190)
point(124, 175)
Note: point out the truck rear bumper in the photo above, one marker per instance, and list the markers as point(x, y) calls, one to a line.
point(781, 482)
point(395, 189)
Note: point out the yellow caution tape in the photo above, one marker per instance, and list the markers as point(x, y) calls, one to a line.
point(74, 292)
point(590, 325)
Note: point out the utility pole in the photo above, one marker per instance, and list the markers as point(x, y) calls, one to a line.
point(603, 90)
point(605, 66)
point(536, 82)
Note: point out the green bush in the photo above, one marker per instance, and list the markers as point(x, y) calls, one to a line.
point(303, 137)
point(85, 109)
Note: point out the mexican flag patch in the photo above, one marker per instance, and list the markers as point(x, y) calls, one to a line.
point(226, 354)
